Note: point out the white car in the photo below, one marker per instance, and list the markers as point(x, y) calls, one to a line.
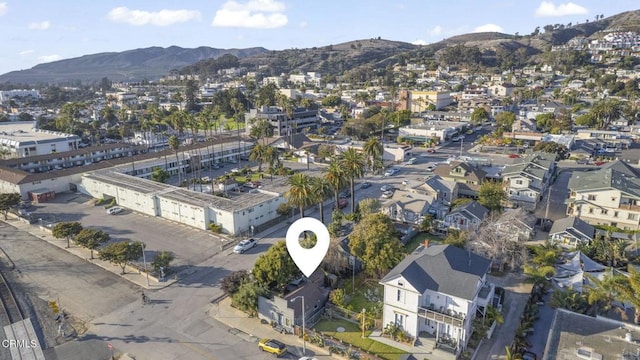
point(405, 182)
point(245, 245)
point(387, 194)
point(391, 172)
point(386, 188)
point(114, 210)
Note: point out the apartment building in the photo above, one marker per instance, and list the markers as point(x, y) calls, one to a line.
point(23, 139)
point(607, 196)
point(282, 123)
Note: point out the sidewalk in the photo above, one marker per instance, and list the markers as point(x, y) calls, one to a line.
point(250, 329)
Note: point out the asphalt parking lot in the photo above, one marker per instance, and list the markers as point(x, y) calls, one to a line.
point(190, 246)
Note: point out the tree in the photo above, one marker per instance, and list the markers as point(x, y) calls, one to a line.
point(66, 230)
point(321, 189)
point(160, 175)
point(174, 144)
point(560, 150)
point(246, 298)
point(91, 239)
point(162, 260)
point(275, 268)
point(336, 176)
point(605, 111)
point(121, 253)
point(368, 206)
point(373, 151)
point(258, 154)
point(8, 201)
point(375, 242)
point(456, 238)
point(427, 224)
point(491, 195)
point(479, 115)
point(629, 289)
point(300, 193)
point(231, 283)
point(352, 162)
point(504, 120)
point(601, 293)
point(460, 201)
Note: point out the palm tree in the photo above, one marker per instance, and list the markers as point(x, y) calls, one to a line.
point(628, 291)
point(373, 151)
point(300, 193)
point(321, 190)
point(336, 176)
point(174, 144)
point(258, 154)
point(601, 293)
point(606, 111)
point(352, 162)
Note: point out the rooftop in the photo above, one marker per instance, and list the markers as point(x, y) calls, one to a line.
point(25, 132)
point(571, 331)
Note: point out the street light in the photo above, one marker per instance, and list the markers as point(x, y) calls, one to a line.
point(304, 342)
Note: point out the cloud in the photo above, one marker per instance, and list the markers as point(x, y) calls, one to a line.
point(3, 8)
point(159, 18)
point(419, 42)
point(488, 28)
point(549, 9)
point(43, 25)
point(26, 52)
point(48, 58)
point(435, 31)
point(255, 14)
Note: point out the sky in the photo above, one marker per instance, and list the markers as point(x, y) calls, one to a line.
point(39, 31)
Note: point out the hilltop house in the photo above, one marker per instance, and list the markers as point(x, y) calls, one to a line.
point(438, 291)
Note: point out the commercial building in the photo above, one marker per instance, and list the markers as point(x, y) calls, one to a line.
point(417, 101)
point(23, 138)
point(431, 130)
point(281, 122)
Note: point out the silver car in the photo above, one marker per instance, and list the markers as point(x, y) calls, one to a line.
point(245, 245)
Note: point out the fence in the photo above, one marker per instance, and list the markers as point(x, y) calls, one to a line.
point(333, 311)
point(338, 348)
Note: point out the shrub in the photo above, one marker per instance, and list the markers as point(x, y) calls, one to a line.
point(283, 209)
point(99, 202)
point(337, 297)
point(215, 228)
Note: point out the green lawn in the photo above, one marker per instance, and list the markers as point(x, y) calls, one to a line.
point(419, 240)
point(357, 300)
point(233, 125)
point(244, 179)
point(353, 335)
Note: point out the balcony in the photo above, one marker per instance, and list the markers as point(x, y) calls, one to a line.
point(485, 295)
point(442, 316)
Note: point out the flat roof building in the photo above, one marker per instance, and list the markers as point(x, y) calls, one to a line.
point(23, 138)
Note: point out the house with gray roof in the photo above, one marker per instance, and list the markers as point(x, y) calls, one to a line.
point(466, 175)
point(609, 195)
point(406, 206)
point(443, 192)
point(438, 290)
point(527, 181)
point(571, 231)
point(467, 217)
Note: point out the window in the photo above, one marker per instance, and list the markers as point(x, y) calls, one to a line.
point(604, 211)
point(399, 295)
point(615, 214)
point(632, 216)
point(591, 198)
point(590, 210)
point(518, 182)
point(400, 319)
point(613, 199)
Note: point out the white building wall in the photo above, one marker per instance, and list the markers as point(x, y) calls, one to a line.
point(183, 213)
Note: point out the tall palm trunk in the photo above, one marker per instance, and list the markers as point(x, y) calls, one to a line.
point(301, 211)
point(353, 196)
point(321, 206)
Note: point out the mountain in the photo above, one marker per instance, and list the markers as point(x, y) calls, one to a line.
point(132, 65)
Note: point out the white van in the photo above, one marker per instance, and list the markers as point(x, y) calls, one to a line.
point(412, 161)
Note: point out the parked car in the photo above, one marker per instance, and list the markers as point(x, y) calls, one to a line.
point(456, 138)
point(391, 172)
point(365, 185)
point(245, 245)
point(342, 203)
point(469, 132)
point(430, 168)
point(272, 346)
point(528, 355)
point(114, 210)
point(345, 194)
point(405, 182)
point(387, 194)
point(514, 156)
point(386, 188)
point(233, 161)
point(431, 150)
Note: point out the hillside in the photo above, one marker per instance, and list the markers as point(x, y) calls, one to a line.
point(132, 65)
point(331, 59)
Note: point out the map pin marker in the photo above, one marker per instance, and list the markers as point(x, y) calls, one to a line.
point(307, 260)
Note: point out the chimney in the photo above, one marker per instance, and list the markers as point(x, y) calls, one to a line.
point(426, 243)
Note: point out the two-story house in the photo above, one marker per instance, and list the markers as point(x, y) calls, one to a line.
point(437, 292)
point(571, 231)
point(443, 193)
point(527, 181)
point(607, 196)
point(467, 217)
point(468, 177)
point(407, 206)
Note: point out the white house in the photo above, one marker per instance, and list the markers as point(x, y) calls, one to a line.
point(23, 138)
point(438, 291)
point(467, 217)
